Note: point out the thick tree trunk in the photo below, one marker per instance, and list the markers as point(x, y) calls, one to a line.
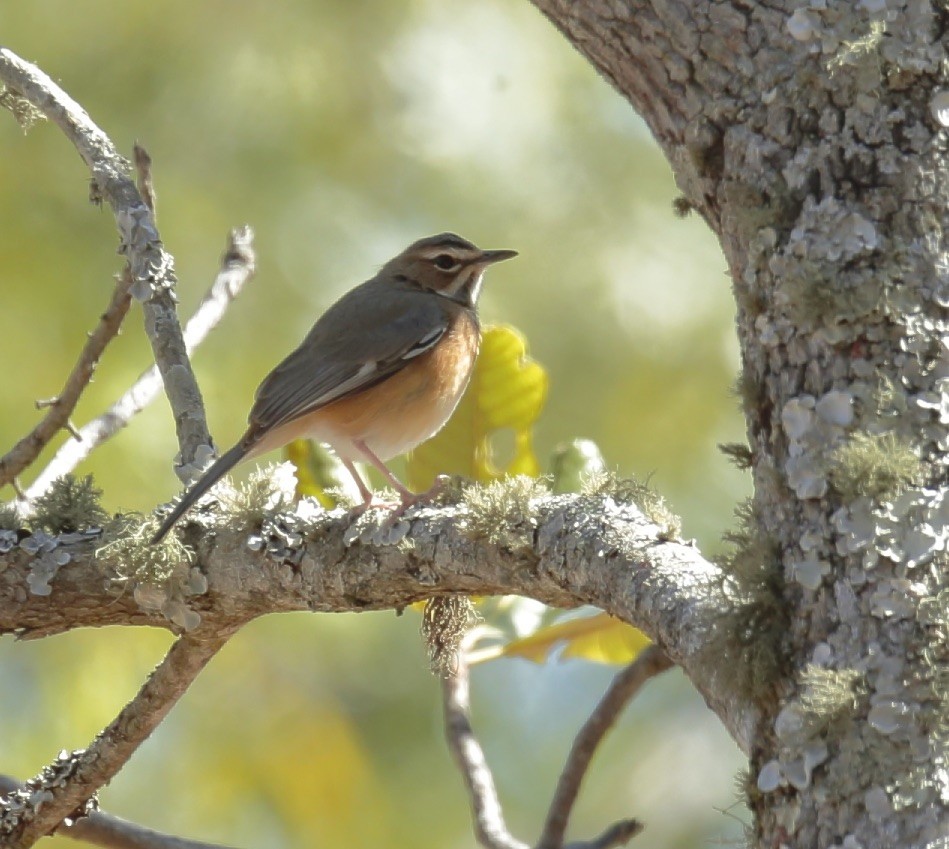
point(812, 139)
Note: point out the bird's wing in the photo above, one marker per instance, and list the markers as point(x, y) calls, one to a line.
point(365, 337)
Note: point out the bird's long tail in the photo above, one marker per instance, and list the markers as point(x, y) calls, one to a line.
point(218, 469)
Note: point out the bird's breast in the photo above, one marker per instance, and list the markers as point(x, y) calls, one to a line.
point(413, 404)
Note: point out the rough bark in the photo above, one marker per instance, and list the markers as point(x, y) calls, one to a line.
point(566, 552)
point(812, 140)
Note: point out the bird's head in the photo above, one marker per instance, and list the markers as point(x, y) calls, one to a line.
point(445, 264)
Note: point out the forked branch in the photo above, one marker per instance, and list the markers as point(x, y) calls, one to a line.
point(237, 267)
point(151, 266)
point(66, 786)
point(61, 407)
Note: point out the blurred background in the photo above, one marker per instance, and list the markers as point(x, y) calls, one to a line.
point(341, 131)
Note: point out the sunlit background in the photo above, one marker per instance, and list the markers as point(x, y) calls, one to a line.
point(341, 131)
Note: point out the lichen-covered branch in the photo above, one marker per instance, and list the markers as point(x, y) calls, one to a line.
point(67, 786)
point(61, 407)
point(238, 264)
point(111, 832)
point(152, 267)
point(565, 551)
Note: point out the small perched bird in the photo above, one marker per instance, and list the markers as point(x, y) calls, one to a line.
point(380, 371)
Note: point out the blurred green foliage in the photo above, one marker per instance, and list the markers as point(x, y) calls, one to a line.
point(342, 131)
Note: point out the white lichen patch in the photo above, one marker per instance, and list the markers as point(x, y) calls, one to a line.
point(814, 426)
point(803, 25)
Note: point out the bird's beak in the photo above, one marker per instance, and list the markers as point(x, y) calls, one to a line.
point(491, 257)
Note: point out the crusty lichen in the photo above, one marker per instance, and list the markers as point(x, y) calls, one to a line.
point(71, 504)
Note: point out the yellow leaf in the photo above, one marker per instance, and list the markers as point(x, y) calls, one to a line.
point(507, 390)
point(317, 471)
point(600, 638)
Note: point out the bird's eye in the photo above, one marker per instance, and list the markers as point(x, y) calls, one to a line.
point(446, 262)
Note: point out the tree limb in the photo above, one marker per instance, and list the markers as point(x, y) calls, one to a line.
point(567, 551)
point(61, 407)
point(152, 267)
point(112, 832)
point(33, 812)
point(626, 684)
point(238, 265)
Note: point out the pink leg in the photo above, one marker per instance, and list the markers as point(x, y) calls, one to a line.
point(407, 497)
point(364, 490)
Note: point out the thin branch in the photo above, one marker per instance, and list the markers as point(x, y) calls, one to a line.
point(112, 832)
point(625, 685)
point(490, 829)
point(61, 407)
point(237, 267)
point(618, 834)
point(152, 267)
point(67, 785)
point(144, 181)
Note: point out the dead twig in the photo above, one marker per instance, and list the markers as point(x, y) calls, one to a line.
point(152, 268)
point(237, 267)
point(626, 684)
point(61, 407)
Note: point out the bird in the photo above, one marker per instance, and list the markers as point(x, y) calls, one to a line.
point(380, 371)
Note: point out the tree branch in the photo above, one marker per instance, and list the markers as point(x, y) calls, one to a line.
point(490, 828)
point(626, 684)
point(238, 265)
point(152, 267)
point(567, 551)
point(60, 409)
point(112, 832)
point(66, 786)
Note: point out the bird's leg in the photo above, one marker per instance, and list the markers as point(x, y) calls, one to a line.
point(364, 490)
point(406, 496)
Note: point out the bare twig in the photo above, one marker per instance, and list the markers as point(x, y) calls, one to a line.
point(152, 267)
point(143, 172)
point(490, 829)
point(617, 834)
point(625, 685)
point(237, 267)
point(60, 408)
point(29, 815)
point(112, 832)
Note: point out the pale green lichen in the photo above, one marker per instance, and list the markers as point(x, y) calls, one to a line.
point(746, 648)
point(738, 453)
point(128, 554)
point(70, 504)
point(445, 622)
point(501, 511)
point(632, 491)
point(830, 696)
point(24, 112)
point(874, 466)
point(853, 52)
point(9, 518)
